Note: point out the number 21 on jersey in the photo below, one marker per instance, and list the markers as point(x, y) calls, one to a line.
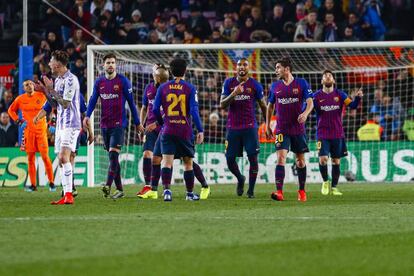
point(173, 101)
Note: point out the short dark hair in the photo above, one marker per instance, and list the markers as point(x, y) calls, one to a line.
point(110, 55)
point(178, 66)
point(285, 62)
point(327, 72)
point(61, 56)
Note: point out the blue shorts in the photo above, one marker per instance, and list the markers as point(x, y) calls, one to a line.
point(149, 140)
point(174, 145)
point(336, 148)
point(113, 137)
point(157, 147)
point(295, 143)
point(236, 140)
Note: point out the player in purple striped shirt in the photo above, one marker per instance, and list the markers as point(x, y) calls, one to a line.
point(329, 104)
point(178, 99)
point(240, 95)
point(289, 94)
point(159, 75)
point(114, 90)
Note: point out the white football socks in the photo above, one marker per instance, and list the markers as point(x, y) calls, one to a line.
point(67, 177)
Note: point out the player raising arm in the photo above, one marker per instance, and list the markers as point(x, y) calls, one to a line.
point(113, 89)
point(289, 94)
point(240, 95)
point(65, 92)
point(329, 102)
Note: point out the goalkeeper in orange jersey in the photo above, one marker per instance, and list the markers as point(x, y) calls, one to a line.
point(35, 135)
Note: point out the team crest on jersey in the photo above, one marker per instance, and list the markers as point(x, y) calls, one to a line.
point(38, 101)
point(248, 90)
point(336, 99)
point(116, 87)
point(295, 91)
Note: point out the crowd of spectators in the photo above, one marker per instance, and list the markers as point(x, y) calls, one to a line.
point(224, 21)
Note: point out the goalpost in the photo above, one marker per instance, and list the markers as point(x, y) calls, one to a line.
point(385, 71)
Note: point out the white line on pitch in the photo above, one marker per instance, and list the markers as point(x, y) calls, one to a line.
point(144, 218)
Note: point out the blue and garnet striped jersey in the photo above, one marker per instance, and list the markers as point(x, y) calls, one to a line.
point(148, 99)
point(113, 94)
point(289, 101)
point(178, 99)
point(242, 110)
point(329, 107)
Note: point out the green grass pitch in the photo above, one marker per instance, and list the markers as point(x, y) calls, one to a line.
point(368, 231)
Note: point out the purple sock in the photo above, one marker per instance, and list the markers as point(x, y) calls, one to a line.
point(324, 171)
point(189, 180)
point(302, 177)
point(234, 168)
point(336, 172)
point(166, 175)
point(113, 166)
point(146, 167)
point(253, 170)
point(155, 176)
point(279, 177)
point(117, 180)
point(198, 173)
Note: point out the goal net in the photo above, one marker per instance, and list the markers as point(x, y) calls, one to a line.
point(385, 71)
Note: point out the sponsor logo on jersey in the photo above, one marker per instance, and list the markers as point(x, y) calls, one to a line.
point(329, 107)
point(287, 100)
point(109, 96)
point(242, 97)
point(181, 122)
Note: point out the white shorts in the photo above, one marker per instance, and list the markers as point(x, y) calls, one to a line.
point(67, 138)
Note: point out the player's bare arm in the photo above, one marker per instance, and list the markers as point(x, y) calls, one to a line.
point(38, 86)
point(151, 127)
point(304, 115)
point(200, 138)
point(269, 112)
point(143, 113)
point(263, 108)
point(49, 91)
point(359, 93)
point(226, 101)
point(88, 129)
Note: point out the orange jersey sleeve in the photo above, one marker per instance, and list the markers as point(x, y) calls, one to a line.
point(30, 106)
point(14, 108)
